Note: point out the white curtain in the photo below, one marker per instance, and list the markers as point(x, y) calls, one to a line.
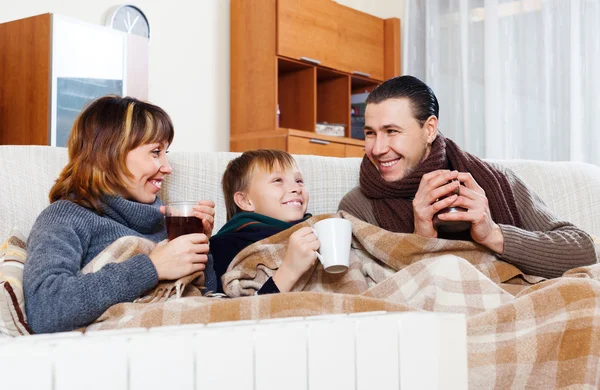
point(515, 79)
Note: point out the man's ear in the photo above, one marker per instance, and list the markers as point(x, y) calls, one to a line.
point(431, 127)
point(242, 201)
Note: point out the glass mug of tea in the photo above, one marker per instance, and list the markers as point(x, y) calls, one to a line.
point(450, 226)
point(180, 219)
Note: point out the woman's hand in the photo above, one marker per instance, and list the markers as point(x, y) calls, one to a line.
point(483, 229)
point(180, 257)
point(299, 258)
point(433, 186)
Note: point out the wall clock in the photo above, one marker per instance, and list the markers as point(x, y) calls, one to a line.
point(130, 19)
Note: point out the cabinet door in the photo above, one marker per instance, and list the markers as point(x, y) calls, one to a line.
point(337, 36)
point(317, 147)
point(308, 29)
point(361, 43)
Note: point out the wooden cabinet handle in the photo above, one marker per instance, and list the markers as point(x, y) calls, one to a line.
point(318, 141)
point(311, 60)
point(356, 72)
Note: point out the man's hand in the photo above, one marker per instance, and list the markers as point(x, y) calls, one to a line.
point(483, 229)
point(433, 186)
point(299, 258)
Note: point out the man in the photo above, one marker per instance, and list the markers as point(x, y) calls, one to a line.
point(411, 172)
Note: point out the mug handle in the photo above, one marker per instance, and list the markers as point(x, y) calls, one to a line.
point(318, 254)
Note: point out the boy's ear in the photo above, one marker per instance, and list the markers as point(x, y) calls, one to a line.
point(243, 202)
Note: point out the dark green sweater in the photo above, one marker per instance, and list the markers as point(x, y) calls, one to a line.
point(244, 229)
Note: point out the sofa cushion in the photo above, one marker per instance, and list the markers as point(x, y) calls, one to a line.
point(596, 245)
point(13, 255)
point(198, 176)
point(569, 189)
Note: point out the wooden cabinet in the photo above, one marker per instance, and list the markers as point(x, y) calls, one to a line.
point(51, 66)
point(331, 35)
point(303, 33)
point(301, 142)
point(316, 146)
point(304, 59)
point(354, 151)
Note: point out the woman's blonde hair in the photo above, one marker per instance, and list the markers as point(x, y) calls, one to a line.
point(102, 135)
point(239, 171)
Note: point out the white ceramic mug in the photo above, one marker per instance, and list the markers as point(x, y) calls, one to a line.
point(335, 235)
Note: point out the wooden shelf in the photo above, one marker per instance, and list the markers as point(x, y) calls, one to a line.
point(273, 45)
point(300, 142)
point(296, 94)
point(307, 134)
point(333, 98)
point(361, 84)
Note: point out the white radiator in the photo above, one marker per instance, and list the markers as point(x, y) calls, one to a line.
point(356, 352)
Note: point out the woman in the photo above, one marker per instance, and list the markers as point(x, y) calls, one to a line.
point(117, 163)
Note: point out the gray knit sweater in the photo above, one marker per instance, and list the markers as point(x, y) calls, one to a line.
point(546, 246)
point(64, 238)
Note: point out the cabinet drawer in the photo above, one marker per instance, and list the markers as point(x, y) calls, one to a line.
point(299, 145)
point(355, 151)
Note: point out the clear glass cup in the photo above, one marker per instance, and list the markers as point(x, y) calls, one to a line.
point(180, 219)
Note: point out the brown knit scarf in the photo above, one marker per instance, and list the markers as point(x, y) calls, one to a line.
point(393, 200)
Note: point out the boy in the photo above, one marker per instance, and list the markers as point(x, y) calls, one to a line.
point(264, 195)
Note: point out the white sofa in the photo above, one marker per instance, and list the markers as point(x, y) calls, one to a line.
point(28, 172)
point(571, 190)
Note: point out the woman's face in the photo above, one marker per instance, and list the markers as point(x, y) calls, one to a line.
point(148, 164)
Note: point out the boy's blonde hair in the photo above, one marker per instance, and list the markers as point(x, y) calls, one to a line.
point(239, 171)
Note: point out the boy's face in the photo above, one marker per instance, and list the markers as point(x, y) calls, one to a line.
point(279, 194)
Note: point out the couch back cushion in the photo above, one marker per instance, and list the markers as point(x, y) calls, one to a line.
point(27, 173)
point(570, 189)
point(198, 176)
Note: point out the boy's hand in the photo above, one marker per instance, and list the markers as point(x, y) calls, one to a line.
point(204, 210)
point(299, 258)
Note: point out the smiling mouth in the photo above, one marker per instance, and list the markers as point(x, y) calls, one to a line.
point(294, 203)
point(389, 163)
point(156, 183)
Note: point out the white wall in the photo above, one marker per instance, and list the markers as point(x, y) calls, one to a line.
point(380, 8)
point(189, 57)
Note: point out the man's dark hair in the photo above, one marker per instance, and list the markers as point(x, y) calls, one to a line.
point(422, 99)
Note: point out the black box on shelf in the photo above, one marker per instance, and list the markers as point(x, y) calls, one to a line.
point(358, 124)
point(357, 121)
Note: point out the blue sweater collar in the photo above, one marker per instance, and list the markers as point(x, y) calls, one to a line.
point(141, 217)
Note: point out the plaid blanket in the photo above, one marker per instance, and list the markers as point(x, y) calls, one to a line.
point(523, 331)
point(128, 246)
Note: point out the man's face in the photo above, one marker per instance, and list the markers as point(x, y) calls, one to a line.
point(394, 141)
